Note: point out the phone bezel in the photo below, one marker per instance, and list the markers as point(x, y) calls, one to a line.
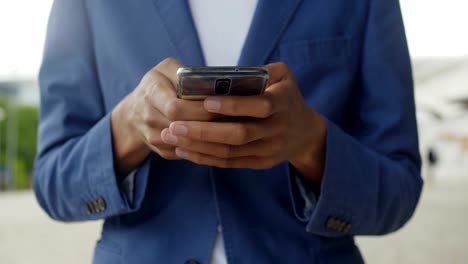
point(218, 73)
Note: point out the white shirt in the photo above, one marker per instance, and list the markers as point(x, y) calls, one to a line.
point(222, 27)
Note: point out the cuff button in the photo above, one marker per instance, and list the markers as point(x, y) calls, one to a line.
point(101, 204)
point(347, 228)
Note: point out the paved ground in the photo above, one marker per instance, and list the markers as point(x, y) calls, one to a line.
point(437, 233)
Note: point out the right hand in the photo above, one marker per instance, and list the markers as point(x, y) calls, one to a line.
point(137, 121)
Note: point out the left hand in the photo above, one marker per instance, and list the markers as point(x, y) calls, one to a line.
point(283, 128)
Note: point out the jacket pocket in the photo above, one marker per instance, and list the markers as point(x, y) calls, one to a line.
point(336, 50)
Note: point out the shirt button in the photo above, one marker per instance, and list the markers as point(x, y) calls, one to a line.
point(191, 261)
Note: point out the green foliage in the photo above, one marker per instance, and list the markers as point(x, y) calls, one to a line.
point(26, 133)
point(3, 170)
point(22, 179)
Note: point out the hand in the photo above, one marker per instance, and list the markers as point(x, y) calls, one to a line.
point(283, 128)
point(137, 121)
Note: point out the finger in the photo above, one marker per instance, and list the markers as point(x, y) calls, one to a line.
point(176, 109)
point(168, 68)
point(160, 94)
point(260, 148)
point(152, 138)
point(167, 154)
point(278, 72)
point(213, 149)
point(224, 133)
point(260, 106)
point(152, 120)
point(165, 151)
point(242, 162)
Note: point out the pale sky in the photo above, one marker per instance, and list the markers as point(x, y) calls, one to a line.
point(435, 28)
point(22, 33)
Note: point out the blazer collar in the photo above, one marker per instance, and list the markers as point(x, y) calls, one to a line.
point(270, 20)
point(178, 22)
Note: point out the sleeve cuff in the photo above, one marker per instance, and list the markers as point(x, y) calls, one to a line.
point(333, 211)
point(127, 186)
point(104, 189)
point(303, 197)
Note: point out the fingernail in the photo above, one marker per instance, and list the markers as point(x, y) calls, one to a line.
point(181, 153)
point(169, 138)
point(180, 130)
point(212, 105)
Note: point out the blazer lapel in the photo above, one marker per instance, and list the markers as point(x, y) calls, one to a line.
point(178, 22)
point(270, 20)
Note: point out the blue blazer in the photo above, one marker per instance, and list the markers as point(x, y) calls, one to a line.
point(351, 62)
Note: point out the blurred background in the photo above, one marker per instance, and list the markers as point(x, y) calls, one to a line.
point(438, 40)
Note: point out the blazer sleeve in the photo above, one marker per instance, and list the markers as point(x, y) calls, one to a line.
point(372, 181)
point(74, 177)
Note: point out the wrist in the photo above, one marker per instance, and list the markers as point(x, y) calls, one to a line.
point(128, 146)
point(310, 159)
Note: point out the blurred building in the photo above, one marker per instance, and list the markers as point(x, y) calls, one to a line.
point(23, 92)
point(442, 108)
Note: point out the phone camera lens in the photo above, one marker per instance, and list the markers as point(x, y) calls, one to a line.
point(222, 86)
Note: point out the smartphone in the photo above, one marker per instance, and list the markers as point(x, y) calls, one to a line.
point(197, 83)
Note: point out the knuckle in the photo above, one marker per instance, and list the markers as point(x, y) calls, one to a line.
point(146, 97)
point(172, 110)
point(171, 60)
point(290, 82)
point(154, 139)
point(146, 116)
point(150, 85)
point(241, 134)
point(202, 134)
point(226, 151)
point(283, 66)
point(151, 76)
point(231, 107)
point(148, 77)
point(167, 154)
point(267, 106)
point(167, 61)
